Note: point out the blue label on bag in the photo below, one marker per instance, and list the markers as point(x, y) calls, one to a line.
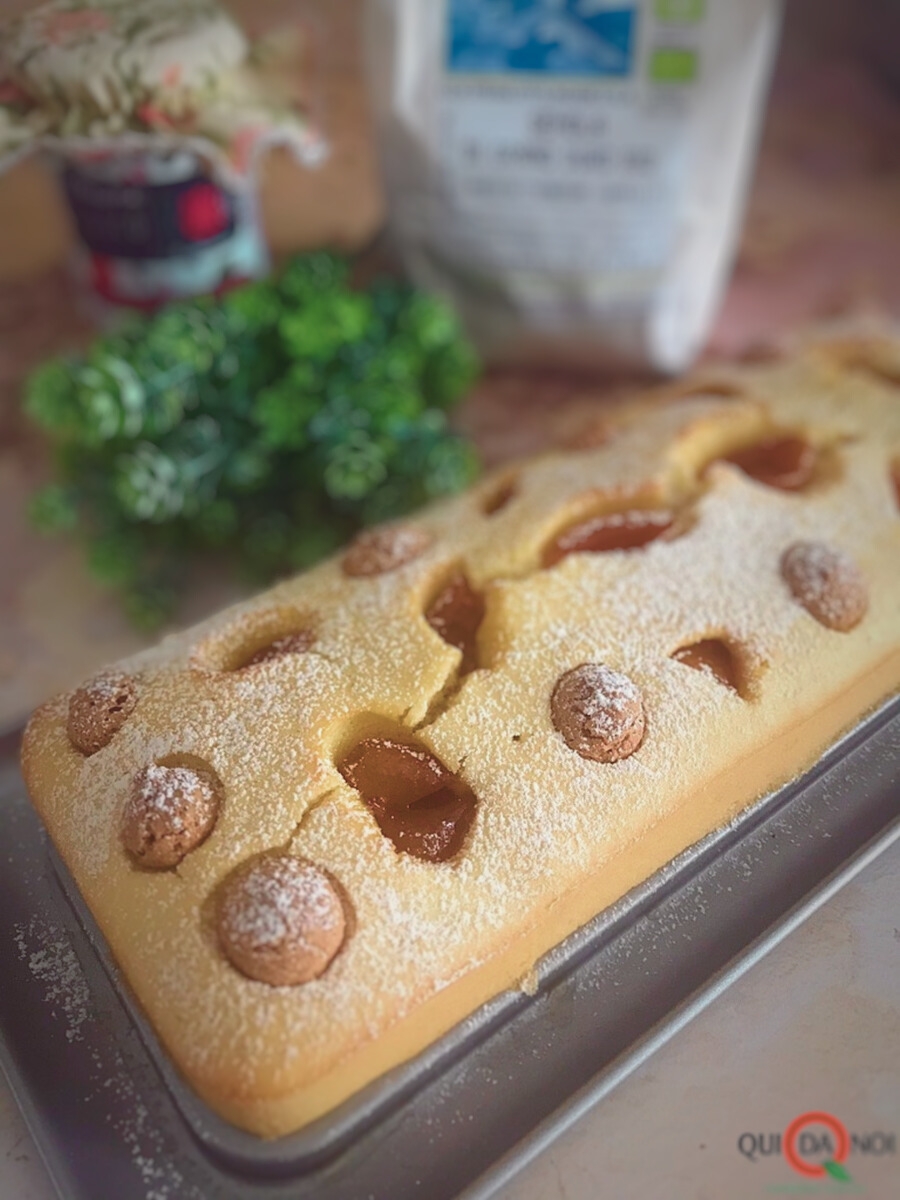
point(557, 37)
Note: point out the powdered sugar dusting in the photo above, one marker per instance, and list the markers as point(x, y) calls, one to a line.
point(288, 643)
point(826, 582)
point(50, 959)
point(280, 897)
point(134, 1126)
point(376, 551)
point(109, 687)
point(607, 701)
point(49, 955)
point(99, 709)
point(599, 712)
point(280, 920)
point(165, 790)
point(169, 812)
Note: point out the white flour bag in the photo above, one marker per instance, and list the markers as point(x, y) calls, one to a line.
point(571, 173)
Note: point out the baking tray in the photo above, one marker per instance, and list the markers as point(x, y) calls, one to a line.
point(114, 1122)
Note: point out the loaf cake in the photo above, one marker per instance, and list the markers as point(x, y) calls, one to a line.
point(323, 827)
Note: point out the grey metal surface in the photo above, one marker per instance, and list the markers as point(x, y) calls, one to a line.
point(114, 1121)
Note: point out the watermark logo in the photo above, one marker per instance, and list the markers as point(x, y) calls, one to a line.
point(816, 1146)
point(802, 1138)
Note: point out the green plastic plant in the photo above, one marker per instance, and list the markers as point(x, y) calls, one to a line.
point(271, 424)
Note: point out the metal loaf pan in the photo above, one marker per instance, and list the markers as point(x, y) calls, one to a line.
point(115, 1121)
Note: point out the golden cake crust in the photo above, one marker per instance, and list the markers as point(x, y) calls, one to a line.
point(557, 835)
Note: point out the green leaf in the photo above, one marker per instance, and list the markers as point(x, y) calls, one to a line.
point(258, 306)
point(267, 544)
point(398, 364)
point(248, 469)
point(150, 605)
point(271, 422)
point(450, 467)
point(354, 468)
point(318, 330)
point(115, 558)
point(54, 509)
point(314, 542)
point(217, 522)
point(449, 373)
point(389, 296)
point(51, 399)
point(284, 410)
point(149, 484)
point(837, 1171)
point(309, 276)
point(430, 322)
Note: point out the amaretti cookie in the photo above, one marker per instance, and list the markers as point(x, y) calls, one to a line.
point(323, 827)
